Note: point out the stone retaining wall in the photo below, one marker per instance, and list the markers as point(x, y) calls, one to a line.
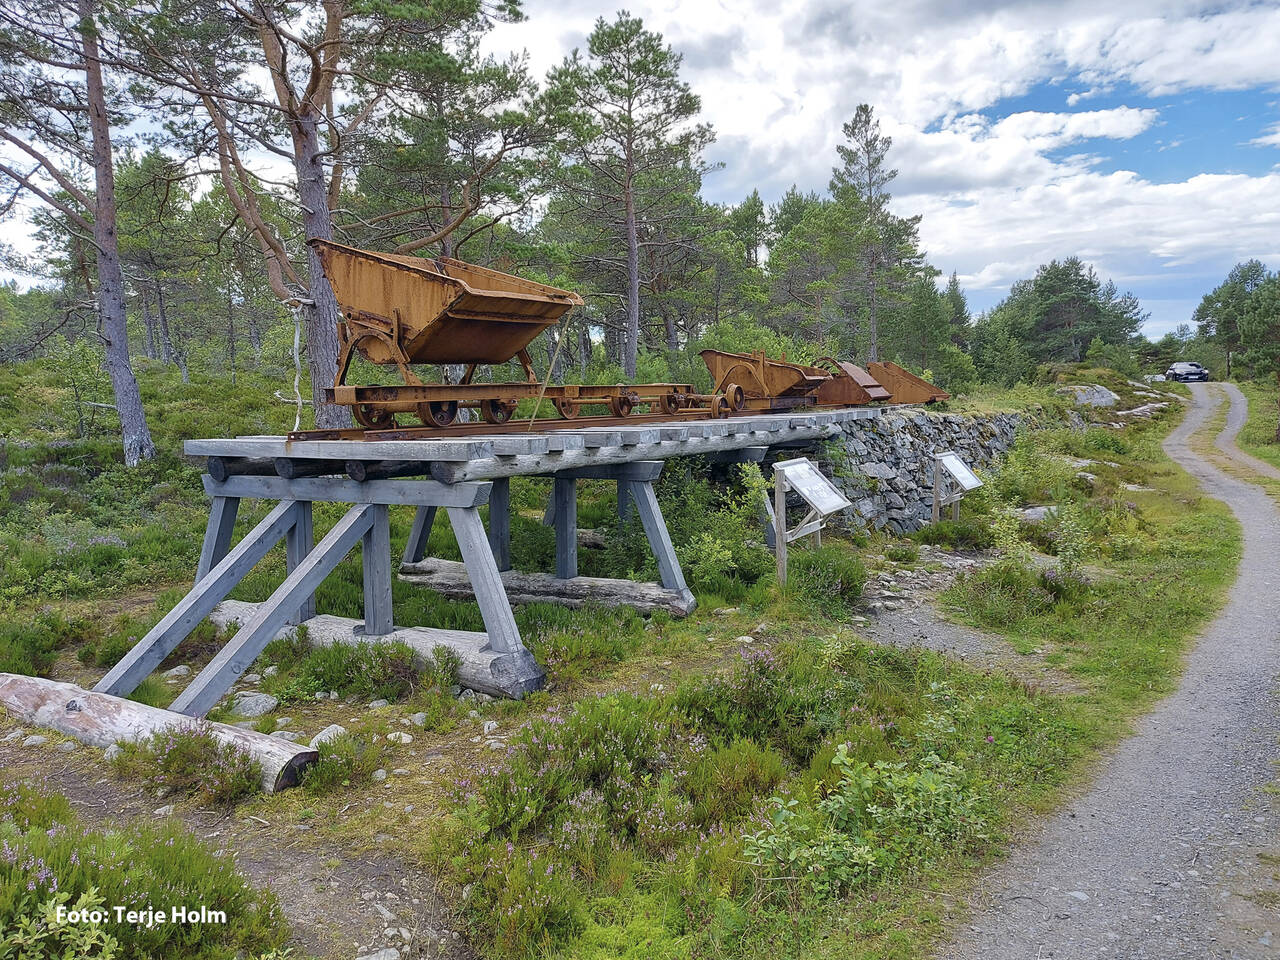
point(885, 465)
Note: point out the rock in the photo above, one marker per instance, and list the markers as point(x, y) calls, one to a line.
point(495, 744)
point(386, 953)
point(383, 911)
point(379, 775)
point(1090, 395)
point(181, 670)
point(378, 704)
point(283, 721)
point(333, 694)
point(327, 735)
point(1087, 479)
point(321, 695)
point(253, 704)
point(1137, 488)
point(67, 746)
point(251, 678)
point(1037, 514)
point(467, 694)
point(490, 726)
point(399, 737)
point(164, 811)
point(113, 750)
point(34, 740)
point(1079, 895)
point(724, 611)
point(293, 736)
point(745, 639)
point(13, 735)
point(418, 719)
point(401, 771)
point(271, 671)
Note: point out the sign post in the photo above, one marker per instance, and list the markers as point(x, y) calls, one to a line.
point(822, 496)
point(952, 479)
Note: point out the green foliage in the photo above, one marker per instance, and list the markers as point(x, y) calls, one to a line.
point(831, 577)
point(191, 762)
point(967, 533)
point(345, 763)
point(878, 819)
point(48, 932)
point(902, 552)
point(27, 647)
point(367, 670)
point(50, 858)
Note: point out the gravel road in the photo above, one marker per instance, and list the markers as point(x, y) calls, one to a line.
point(1173, 851)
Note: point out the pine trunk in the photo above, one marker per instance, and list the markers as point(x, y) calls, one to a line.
point(631, 343)
point(322, 314)
point(138, 445)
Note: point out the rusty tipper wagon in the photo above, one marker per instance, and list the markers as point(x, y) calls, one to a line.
point(404, 310)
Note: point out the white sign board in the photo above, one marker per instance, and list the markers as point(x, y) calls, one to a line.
point(807, 480)
point(959, 471)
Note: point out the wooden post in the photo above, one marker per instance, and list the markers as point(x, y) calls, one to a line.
point(160, 641)
point(217, 535)
point(375, 564)
point(236, 656)
point(415, 547)
point(500, 522)
point(780, 524)
point(655, 528)
point(564, 495)
point(491, 596)
point(298, 543)
point(937, 489)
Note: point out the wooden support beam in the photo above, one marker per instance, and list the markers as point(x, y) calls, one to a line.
point(364, 470)
point(147, 654)
point(217, 534)
point(415, 547)
point(375, 565)
point(100, 720)
point(500, 522)
point(644, 470)
point(235, 657)
point(655, 528)
point(495, 610)
point(298, 543)
point(344, 490)
point(295, 468)
point(220, 468)
point(564, 494)
point(451, 579)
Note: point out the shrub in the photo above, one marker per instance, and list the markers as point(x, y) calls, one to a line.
point(725, 782)
point(48, 856)
point(963, 534)
point(831, 576)
point(192, 762)
point(1000, 595)
point(902, 552)
point(368, 670)
point(27, 648)
point(344, 763)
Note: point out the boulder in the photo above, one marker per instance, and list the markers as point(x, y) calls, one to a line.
point(253, 704)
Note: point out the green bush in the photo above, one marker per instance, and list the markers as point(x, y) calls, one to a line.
point(902, 552)
point(192, 762)
point(971, 533)
point(831, 577)
point(345, 763)
point(27, 648)
point(50, 857)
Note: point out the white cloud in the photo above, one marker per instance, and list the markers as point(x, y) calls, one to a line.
point(1269, 139)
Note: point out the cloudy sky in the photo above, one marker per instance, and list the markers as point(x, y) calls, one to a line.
point(1142, 136)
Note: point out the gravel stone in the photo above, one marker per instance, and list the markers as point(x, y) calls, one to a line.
point(329, 733)
point(253, 704)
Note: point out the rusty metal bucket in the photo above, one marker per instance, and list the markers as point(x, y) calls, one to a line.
point(762, 377)
point(436, 311)
point(905, 386)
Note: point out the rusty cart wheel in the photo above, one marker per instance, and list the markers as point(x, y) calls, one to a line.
point(567, 409)
point(720, 406)
point(620, 406)
point(438, 413)
point(373, 418)
point(736, 396)
point(669, 403)
point(495, 411)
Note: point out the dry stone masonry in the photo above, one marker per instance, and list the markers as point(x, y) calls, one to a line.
point(885, 466)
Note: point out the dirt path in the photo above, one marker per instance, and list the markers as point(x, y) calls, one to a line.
point(1174, 851)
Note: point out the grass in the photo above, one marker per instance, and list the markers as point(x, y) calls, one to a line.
point(1258, 436)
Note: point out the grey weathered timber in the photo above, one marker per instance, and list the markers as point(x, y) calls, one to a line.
point(564, 494)
point(297, 544)
point(449, 578)
point(415, 547)
point(343, 490)
point(100, 720)
point(147, 654)
point(646, 501)
point(362, 470)
point(295, 468)
point(479, 668)
point(234, 658)
point(499, 622)
point(500, 522)
point(341, 450)
point(646, 470)
point(222, 467)
point(375, 565)
point(217, 535)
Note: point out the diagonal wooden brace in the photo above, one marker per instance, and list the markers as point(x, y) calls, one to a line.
point(174, 626)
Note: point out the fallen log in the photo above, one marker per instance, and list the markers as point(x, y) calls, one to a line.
point(449, 578)
point(100, 720)
point(479, 668)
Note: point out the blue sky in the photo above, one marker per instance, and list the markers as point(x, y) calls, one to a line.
point(1144, 137)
